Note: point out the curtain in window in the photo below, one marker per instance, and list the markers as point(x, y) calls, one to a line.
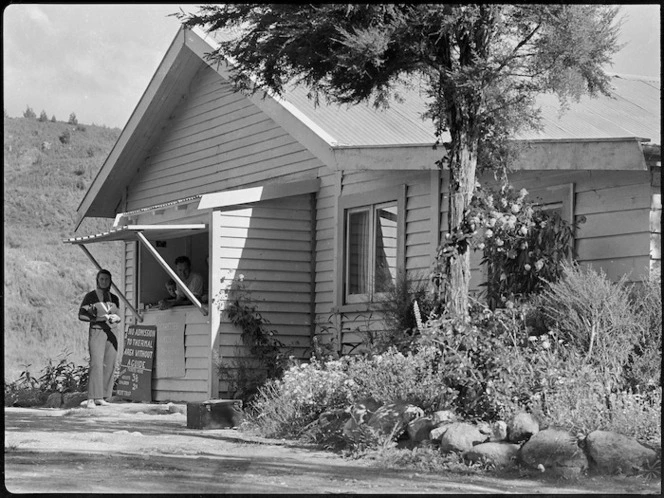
point(386, 249)
point(358, 252)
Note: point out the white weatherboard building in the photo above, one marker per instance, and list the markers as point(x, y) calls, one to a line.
point(319, 208)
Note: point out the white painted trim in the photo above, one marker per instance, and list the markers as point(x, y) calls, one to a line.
point(250, 195)
point(128, 232)
point(605, 155)
point(381, 158)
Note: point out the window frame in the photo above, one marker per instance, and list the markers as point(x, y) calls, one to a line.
point(367, 201)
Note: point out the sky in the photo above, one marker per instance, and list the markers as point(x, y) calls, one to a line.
point(96, 60)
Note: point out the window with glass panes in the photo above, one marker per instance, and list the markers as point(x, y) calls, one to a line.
point(371, 247)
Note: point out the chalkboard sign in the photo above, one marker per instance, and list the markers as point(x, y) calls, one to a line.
point(135, 379)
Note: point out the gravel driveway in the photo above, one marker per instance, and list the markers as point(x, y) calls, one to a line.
point(147, 448)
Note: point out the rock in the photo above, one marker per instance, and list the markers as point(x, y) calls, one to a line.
point(498, 431)
point(460, 437)
point(420, 429)
point(500, 454)
point(484, 427)
point(73, 400)
point(26, 398)
point(391, 419)
point(54, 401)
point(555, 452)
point(437, 433)
point(612, 453)
point(522, 427)
point(443, 417)
point(173, 408)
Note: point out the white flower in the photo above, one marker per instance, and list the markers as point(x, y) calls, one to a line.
point(511, 221)
point(523, 231)
point(539, 264)
point(480, 246)
point(527, 267)
point(503, 202)
point(488, 234)
point(546, 344)
point(516, 208)
point(491, 222)
point(499, 242)
point(522, 193)
point(241, 277)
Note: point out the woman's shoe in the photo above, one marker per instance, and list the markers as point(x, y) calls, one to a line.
point(90, 404)
point(101, 402)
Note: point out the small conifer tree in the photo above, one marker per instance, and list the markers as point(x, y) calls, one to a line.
point(43, 117)
point(53, 120)
point(72, 119)
point(29, 113)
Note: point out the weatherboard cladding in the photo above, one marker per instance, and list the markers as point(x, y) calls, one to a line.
point(216, 140)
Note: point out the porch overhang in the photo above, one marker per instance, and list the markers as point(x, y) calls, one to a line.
point(143, 233)
point(230, 198)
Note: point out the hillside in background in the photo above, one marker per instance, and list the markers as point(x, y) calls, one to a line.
point(45, 179)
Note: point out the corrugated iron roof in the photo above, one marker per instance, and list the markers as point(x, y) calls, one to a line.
point(633, 110)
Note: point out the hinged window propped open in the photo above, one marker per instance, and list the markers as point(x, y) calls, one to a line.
point(143, 233)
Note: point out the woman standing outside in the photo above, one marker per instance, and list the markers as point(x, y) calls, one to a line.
point(100, 308)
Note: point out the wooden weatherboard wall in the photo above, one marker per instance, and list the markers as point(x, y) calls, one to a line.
point(216, 140)
point(264, 253)
point(330, 313)
point(617, 208)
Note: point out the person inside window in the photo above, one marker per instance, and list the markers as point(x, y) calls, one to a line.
point(192, 280)
point(171, 288)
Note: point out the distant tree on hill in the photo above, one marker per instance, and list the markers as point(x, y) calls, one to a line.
point(43, 117)
point(72, 119)
point(53, 120)
point(29, 113)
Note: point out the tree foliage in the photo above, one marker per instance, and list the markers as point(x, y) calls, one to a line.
point(481, 65)
point(29, 113)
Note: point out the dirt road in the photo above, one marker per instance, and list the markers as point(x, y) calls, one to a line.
point(147, 448)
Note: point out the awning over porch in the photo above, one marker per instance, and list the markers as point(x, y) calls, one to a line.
point(143, 233)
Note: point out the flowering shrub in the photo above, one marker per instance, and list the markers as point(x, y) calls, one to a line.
point(522, 244)
point(415, 377)
point(487, 361)
point(286, 406)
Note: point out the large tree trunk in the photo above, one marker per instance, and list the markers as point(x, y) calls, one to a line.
point(463, 164)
